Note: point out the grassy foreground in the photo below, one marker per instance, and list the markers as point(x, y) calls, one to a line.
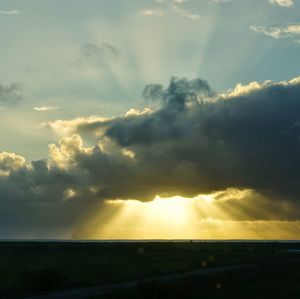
point(272, 282)
point(38, 267)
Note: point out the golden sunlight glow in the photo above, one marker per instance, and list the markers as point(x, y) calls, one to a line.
point(206, 216)
point(69, 193)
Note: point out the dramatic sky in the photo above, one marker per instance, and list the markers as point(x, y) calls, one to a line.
point(150, 119)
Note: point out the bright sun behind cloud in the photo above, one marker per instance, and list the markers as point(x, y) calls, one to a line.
point(202, 217)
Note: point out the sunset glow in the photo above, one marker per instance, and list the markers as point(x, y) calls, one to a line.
point(202, 217)
point(149, 119)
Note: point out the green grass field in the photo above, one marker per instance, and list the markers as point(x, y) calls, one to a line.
point(34, 267)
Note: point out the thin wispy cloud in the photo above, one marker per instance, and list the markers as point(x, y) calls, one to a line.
point(9, 12)
point(10, 94)
point(222, 1)
point(177, 7)
point(282, 3)
point(45, 108)
point(180, 1)
point(290, 31)
point(180, 11)
point(99, 53)
point(152, 12)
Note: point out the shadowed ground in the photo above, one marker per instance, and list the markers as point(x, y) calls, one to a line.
point(37, 268)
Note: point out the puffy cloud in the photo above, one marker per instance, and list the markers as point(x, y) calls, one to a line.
point(244, 89)
point(80, 125)
point(179, 92)
point(197, 142)
point(64, 155)
point(247, 139)
point(10, 94)
point(282, 3)
point(219, 141)
point(135, 112)
point(11, 162)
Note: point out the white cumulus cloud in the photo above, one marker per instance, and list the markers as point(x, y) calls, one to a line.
point(283, 3)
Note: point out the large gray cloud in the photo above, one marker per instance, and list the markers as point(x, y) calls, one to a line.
point(246, 140)
point(196, 142)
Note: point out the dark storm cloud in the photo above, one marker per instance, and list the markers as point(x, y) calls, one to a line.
point(196, 142)
point(179, 92)
point(246, 140)
point(10, 94)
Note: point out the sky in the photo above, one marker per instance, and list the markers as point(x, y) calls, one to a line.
point(150, 119)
